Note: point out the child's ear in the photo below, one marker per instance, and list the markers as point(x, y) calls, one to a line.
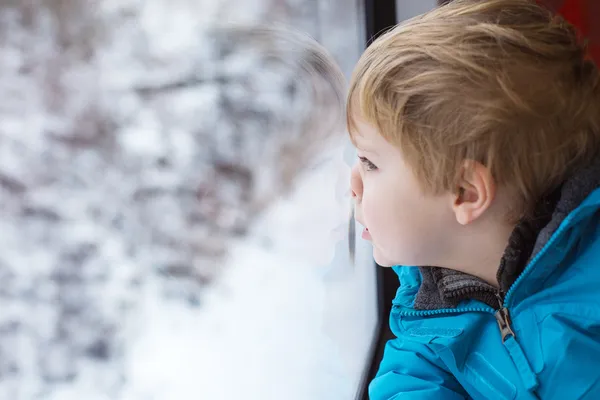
point(475, 192)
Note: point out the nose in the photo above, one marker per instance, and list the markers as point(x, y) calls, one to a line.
point(356, 184)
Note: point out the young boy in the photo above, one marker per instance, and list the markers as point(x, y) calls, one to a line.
point(478, 128)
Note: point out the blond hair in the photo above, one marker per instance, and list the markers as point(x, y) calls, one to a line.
point(501, 82)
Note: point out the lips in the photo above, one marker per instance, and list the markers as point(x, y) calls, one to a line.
point(366, 235)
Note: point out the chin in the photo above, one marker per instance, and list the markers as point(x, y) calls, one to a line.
point(384, 261)
point(381, 259)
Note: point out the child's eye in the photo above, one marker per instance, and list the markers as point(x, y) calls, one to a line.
point(367, 163)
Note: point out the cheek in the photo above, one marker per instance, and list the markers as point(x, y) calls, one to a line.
point(404, 231)
point(370, 210)
point(383, 218)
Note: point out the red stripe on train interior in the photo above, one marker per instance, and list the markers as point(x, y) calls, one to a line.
point(585, 15)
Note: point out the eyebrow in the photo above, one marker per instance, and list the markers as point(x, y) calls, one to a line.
point(366, 150)
point(359, 144)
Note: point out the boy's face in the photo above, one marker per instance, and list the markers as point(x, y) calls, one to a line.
point(405, 225)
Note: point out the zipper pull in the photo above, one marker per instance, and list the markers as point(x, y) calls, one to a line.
point(503, 318)
point(504, 322)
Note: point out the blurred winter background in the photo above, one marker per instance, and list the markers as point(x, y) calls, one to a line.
point(173, 202)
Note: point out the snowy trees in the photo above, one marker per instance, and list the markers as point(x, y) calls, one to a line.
point(136, 140)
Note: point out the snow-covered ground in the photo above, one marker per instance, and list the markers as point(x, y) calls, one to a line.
point(137, 143)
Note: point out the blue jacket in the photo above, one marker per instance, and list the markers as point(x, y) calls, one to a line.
point(551, 325)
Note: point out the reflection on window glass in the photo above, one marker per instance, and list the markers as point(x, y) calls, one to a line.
point(173, 203)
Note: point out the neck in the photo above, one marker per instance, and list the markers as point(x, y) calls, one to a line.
point(479, 248)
